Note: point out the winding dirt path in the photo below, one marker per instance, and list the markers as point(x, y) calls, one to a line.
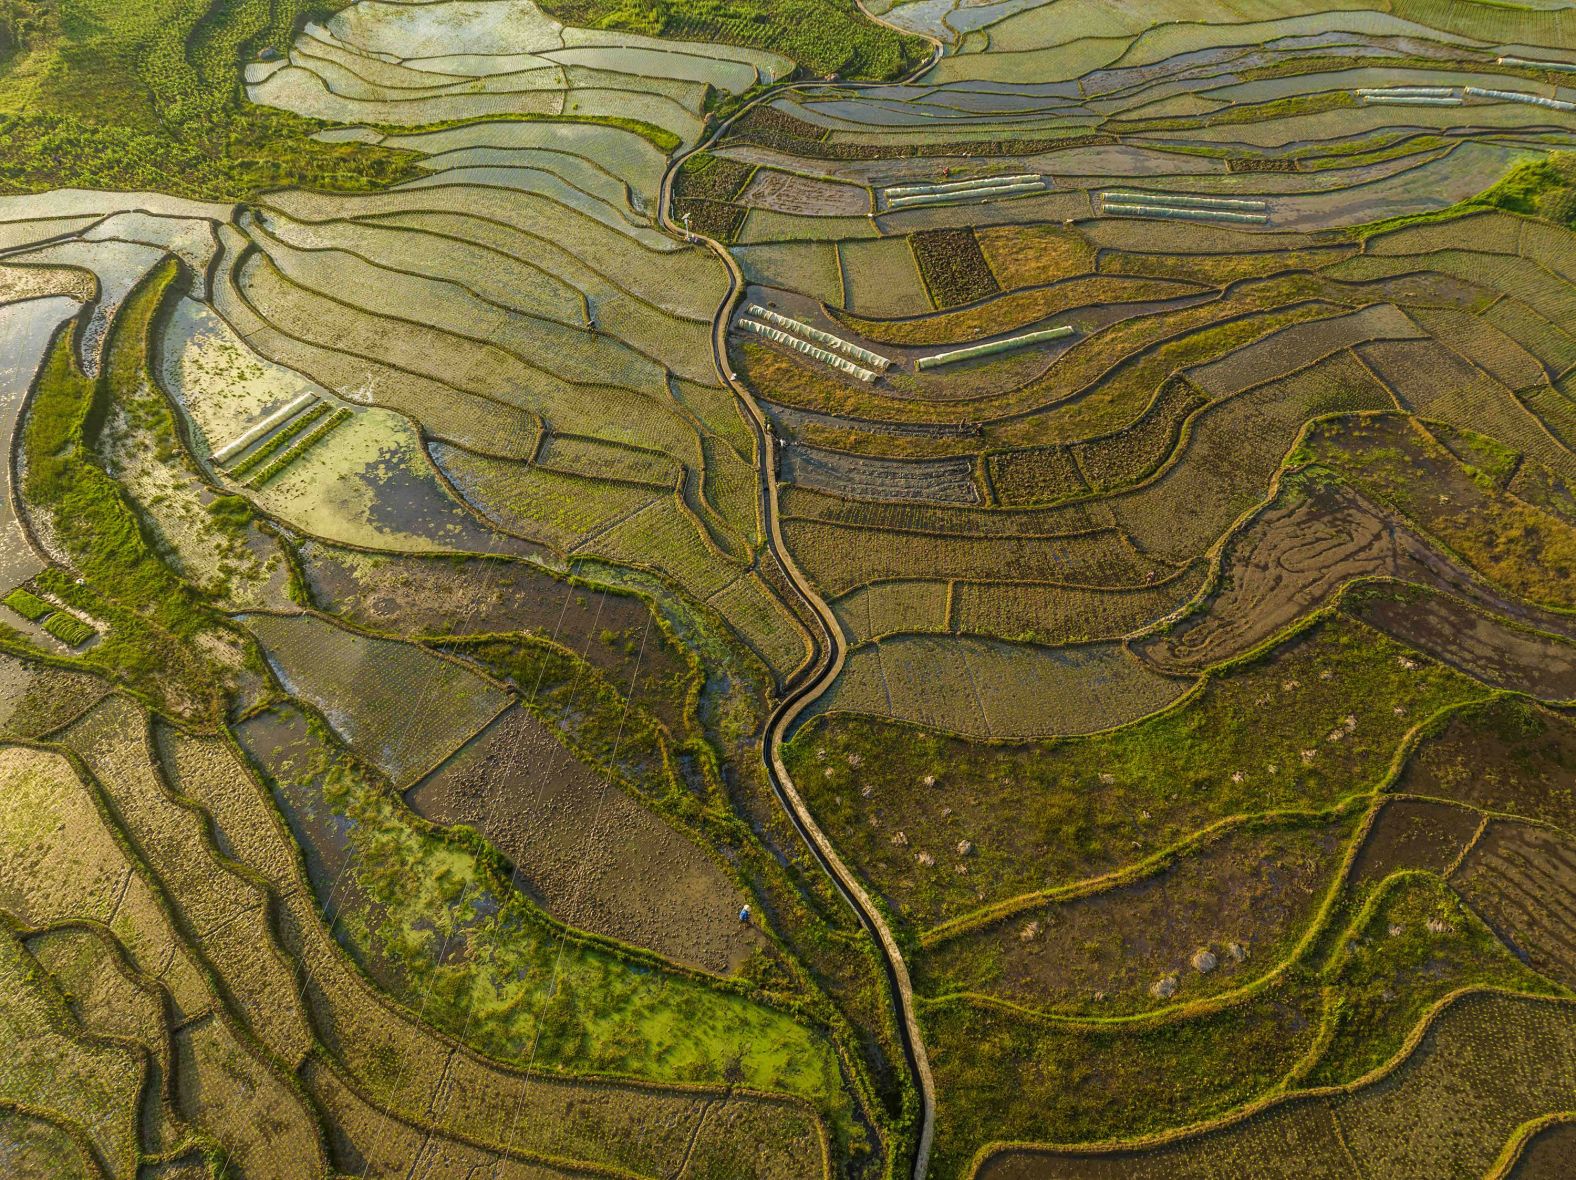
point(831, 647)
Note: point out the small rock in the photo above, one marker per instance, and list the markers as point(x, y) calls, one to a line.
point(1439, 925)
point(965, 847)
point(929, 780)
point(866, 791)
point(1099, 997)
point(1164, 988)
point(899, 839)
point(925, 859)
point(856, 760)
point(1237, 776)
point(820, 755)
point(961, 870)
point(1237, 951)
point(828, 772)
point(1107, 780)
point(1204, 961)
point(1029, 932)
point(946, 811)
point(1395, 931)
point(1143, 815)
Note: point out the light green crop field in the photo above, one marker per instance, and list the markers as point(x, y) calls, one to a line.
point(763, 589)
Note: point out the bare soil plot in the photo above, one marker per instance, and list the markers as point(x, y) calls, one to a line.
point(1504, 755)
point(582, 847)
point(1394, 462)
point(1480, 644)
point(789, 192)
point(1519, 878)
point(987, 689)
point(1004, 1075)
point(35, 1146)
point(35, 698)
point(857, 476)
point(1413, 834)
point(54, 1067)
point(1549, 1153)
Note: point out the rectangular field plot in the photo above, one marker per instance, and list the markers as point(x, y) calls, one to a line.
point(881, 279)
point(996, 690)
point(399, 705)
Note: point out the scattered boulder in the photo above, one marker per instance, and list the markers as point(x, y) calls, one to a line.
point(929, 780)
point(856, 760)
point(1030, 931)
point(1439, 925)
point(269, 53)
point(925, 859)
point(1395, 930)
point(965, 847)
point(1237, 951)
point(900, 839)
point(1164, 988)
point(1204, 960)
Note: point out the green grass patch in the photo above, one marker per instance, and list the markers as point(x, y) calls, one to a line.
point(1543, 188)
point(1413, 944)
point(1300, 727)
point(111, 95)
point(29, 605)
point(435, 905)
point(152, 615)
point(824, 36)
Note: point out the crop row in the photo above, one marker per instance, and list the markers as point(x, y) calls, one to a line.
point(300, 447)
point(288, 432)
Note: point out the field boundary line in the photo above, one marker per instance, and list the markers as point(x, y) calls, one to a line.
point(1274, 1098)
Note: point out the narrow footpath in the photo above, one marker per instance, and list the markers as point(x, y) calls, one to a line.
point(826, 663)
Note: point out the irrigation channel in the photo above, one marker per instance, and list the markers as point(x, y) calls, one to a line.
point(830, 650)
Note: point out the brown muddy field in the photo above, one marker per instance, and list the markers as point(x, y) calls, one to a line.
point(588, 853)
point(1413, 834)
point(1522, 880)
point(434, 596)
point(1508, 756)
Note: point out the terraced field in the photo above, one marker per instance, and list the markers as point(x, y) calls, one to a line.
point(958, 588)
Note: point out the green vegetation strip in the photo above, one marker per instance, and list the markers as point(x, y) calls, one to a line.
point(29, 605)
point(290, 430)
point(69, 629)
point(301, 447)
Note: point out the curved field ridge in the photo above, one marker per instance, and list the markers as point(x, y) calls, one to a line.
point(1478, 1068)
